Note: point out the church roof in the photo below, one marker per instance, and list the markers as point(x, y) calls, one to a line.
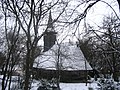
point(70, 57)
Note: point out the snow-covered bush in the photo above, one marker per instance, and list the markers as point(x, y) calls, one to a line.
point(108, 84)
point(47, 85)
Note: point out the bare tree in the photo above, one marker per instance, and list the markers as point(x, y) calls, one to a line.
point(111, 36)
point(11, 54)
point(105, 47)
point(30, 15)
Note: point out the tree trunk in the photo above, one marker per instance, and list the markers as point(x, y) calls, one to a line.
point(27, 71)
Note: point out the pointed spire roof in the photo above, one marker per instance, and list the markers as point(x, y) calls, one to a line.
point(50, 21)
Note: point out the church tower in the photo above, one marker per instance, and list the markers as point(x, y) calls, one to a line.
point(50, 34)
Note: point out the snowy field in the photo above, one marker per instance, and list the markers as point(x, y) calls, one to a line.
point(77, 86)
point(74, 86)
point(70, 86)
point(66, 86)
point(63, 86)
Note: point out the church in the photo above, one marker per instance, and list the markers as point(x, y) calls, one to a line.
point(60, 60)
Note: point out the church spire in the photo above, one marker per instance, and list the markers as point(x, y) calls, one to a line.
point(50, 23)
point(50, 34)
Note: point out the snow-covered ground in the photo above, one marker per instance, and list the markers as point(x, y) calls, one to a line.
point(73, 86)
point(69, 86)
point(77, 86)
point(66, 86)
point(63, 86)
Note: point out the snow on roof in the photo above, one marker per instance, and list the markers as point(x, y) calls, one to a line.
point(69, 56)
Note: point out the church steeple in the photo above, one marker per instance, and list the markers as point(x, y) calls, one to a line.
point(50, 34)
point(50, 23)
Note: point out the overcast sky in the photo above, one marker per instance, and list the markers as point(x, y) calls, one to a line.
point(101, 9)
point(96, 14)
